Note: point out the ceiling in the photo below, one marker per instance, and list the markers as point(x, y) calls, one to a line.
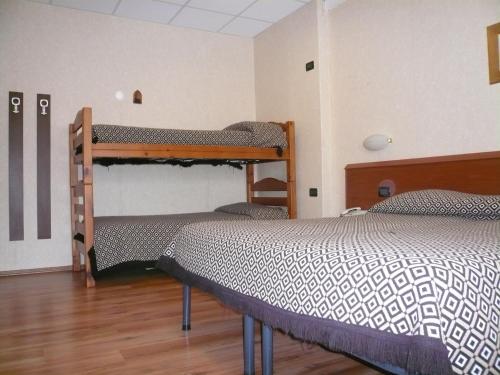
point(245, 18)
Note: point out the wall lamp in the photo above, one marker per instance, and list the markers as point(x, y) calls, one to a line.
point(376, 142)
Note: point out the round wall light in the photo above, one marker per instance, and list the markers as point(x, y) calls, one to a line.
point(376, 142)
point(119, 95)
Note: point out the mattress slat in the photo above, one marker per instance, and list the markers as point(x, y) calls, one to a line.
point(79, 209)
point(79, 189)
point(80, 228)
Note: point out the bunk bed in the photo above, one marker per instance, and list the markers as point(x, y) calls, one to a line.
point(110, 144)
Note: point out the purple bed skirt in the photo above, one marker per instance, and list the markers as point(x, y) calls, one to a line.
point(412, 354)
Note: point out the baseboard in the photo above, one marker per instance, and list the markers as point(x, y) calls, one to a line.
point(35, 270)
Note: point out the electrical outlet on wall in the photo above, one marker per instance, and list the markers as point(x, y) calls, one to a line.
point(313, 192)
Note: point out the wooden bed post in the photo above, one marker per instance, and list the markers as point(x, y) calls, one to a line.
point(250, 181)
point(83, 230)
point(73, 177)
point(88, 198)
point(290, 171)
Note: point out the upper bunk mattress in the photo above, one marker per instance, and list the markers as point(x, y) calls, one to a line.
point(250, 134)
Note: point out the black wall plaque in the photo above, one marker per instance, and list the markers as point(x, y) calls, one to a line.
point(16, 208)
point(43, 165)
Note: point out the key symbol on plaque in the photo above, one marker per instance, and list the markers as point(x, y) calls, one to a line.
point(44, 103)
point(16, 102)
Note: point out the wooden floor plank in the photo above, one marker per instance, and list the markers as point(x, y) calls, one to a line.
point(50, 324)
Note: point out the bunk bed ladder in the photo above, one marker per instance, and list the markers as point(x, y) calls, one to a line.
point(82, 207)
point(290, 170)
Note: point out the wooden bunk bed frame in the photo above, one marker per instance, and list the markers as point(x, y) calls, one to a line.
point(81, 175)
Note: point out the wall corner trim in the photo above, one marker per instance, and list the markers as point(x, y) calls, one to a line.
point(330, 4)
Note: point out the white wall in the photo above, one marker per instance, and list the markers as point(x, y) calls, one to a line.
point(414, 70)
point(285, 91)
point(189, 79)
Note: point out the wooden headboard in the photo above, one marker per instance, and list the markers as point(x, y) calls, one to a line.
point(472, 173)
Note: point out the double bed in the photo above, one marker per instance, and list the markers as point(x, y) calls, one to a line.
point(412, 287)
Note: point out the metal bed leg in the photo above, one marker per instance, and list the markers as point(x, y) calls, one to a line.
point(186, 307)
point(267, 349)
point(248, 345)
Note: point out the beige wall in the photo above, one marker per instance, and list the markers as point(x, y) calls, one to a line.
point(285, 91)
point(190, 79)
point(414, 70)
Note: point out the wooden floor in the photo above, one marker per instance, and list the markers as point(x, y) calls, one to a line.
point(50, 324)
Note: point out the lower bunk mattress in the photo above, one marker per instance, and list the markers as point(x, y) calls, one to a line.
point(122, 239)
point(418, 292)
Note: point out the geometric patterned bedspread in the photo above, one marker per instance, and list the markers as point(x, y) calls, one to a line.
point(248, 133)
point(119, 239)
point(432, 276)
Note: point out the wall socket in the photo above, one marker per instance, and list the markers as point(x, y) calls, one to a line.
point(313, 192)
point(384, 191)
